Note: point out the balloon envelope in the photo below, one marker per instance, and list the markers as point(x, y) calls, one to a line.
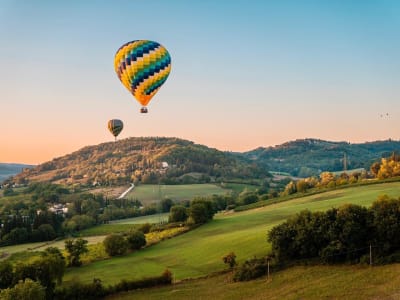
point(115, 126)
point(143, 67)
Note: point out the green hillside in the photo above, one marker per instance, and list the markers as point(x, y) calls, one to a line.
point(307, 157)
point(143, 159)
point(303, 282)
point(198, 253)
point(151, 193)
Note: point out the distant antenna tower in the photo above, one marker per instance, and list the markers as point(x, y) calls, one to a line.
point(344, 162)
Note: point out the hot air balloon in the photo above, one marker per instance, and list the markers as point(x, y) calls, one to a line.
point(115, 126)
point(143, 67)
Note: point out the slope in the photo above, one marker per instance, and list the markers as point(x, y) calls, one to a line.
point(198, 253)
point(145, 159)
point(307, 157)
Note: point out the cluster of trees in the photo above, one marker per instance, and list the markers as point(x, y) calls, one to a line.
point(339, 234)
point(40, 279)
point(47, 270)
point(18, 228)
point(118, 244)
point(325, 180)
point(140, 160)
point(28, 219)
point(200, 211)
point(308, 157)
point(387, 167)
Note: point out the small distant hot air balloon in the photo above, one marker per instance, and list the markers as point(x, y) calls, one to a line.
point(143, 67)
point(115, 126)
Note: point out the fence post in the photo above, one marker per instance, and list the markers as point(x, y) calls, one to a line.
point(370, 254)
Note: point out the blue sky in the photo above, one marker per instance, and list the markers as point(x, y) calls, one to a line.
point(244, 73)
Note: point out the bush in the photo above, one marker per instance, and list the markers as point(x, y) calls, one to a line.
point(230, 259)
point(115, 244)
point(6, 274)
point(145, 228)
point(251, 269)
point(24, 290)
point(96, 290)
point(136, 239)
point(178, 213)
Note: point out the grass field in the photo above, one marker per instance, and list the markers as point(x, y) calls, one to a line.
point(152, 193)
point(239, 187)
point(198, 252)
point(312, 282)
point(40, 246)
point(152, 219)
point(105, 229)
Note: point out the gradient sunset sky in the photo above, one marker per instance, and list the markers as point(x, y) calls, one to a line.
point(244, 73)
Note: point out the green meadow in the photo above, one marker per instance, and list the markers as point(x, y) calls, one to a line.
point(152, 193)
point(198, 253)
point(123, 225)
point(152, 219)
point(301, 282)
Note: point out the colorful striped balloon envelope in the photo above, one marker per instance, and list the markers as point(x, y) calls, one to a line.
point(143, 67)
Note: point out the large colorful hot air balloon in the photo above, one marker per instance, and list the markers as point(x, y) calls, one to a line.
point(142, 66)
point(115, 126)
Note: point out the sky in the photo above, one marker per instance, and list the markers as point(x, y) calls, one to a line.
point(244, 74)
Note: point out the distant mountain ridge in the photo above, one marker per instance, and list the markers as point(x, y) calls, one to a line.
point(307, 157)
point(10, 169)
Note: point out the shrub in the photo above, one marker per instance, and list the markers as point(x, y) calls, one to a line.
point(136, 239)
point(24, 290)
point(230, 259)
point(251, 269)
point(145, 228)
point(115, 244)
point(178, 213)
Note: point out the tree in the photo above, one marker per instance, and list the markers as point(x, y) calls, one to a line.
point(24, 290)
point(178, 213)
point(290, 188)
point(48, 269)
point(75, 249)
point(136, 239)
point(47, 232)
point(386, 221)
point(209, 209)
point(6, 274)
point(56, 262)
point(115, 244)
point(17, 236)
point(230, 259)
point(375, 168)
point(8, 192)
point(247, 197)
point(166, 204)
point(301, 186)
point(198, 213)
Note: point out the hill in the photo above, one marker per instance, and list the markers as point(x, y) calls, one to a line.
point(308, 157)
point(144, 159)
point(177, 161)
point(301, 282)
point(7, 170)
point(198, 253)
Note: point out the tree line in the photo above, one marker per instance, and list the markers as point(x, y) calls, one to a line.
point(343, 234)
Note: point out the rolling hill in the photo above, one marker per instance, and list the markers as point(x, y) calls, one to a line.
point(178, 161)
point(7, 170)
point(198, 253)
point(144, 159)
point(308, 157)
